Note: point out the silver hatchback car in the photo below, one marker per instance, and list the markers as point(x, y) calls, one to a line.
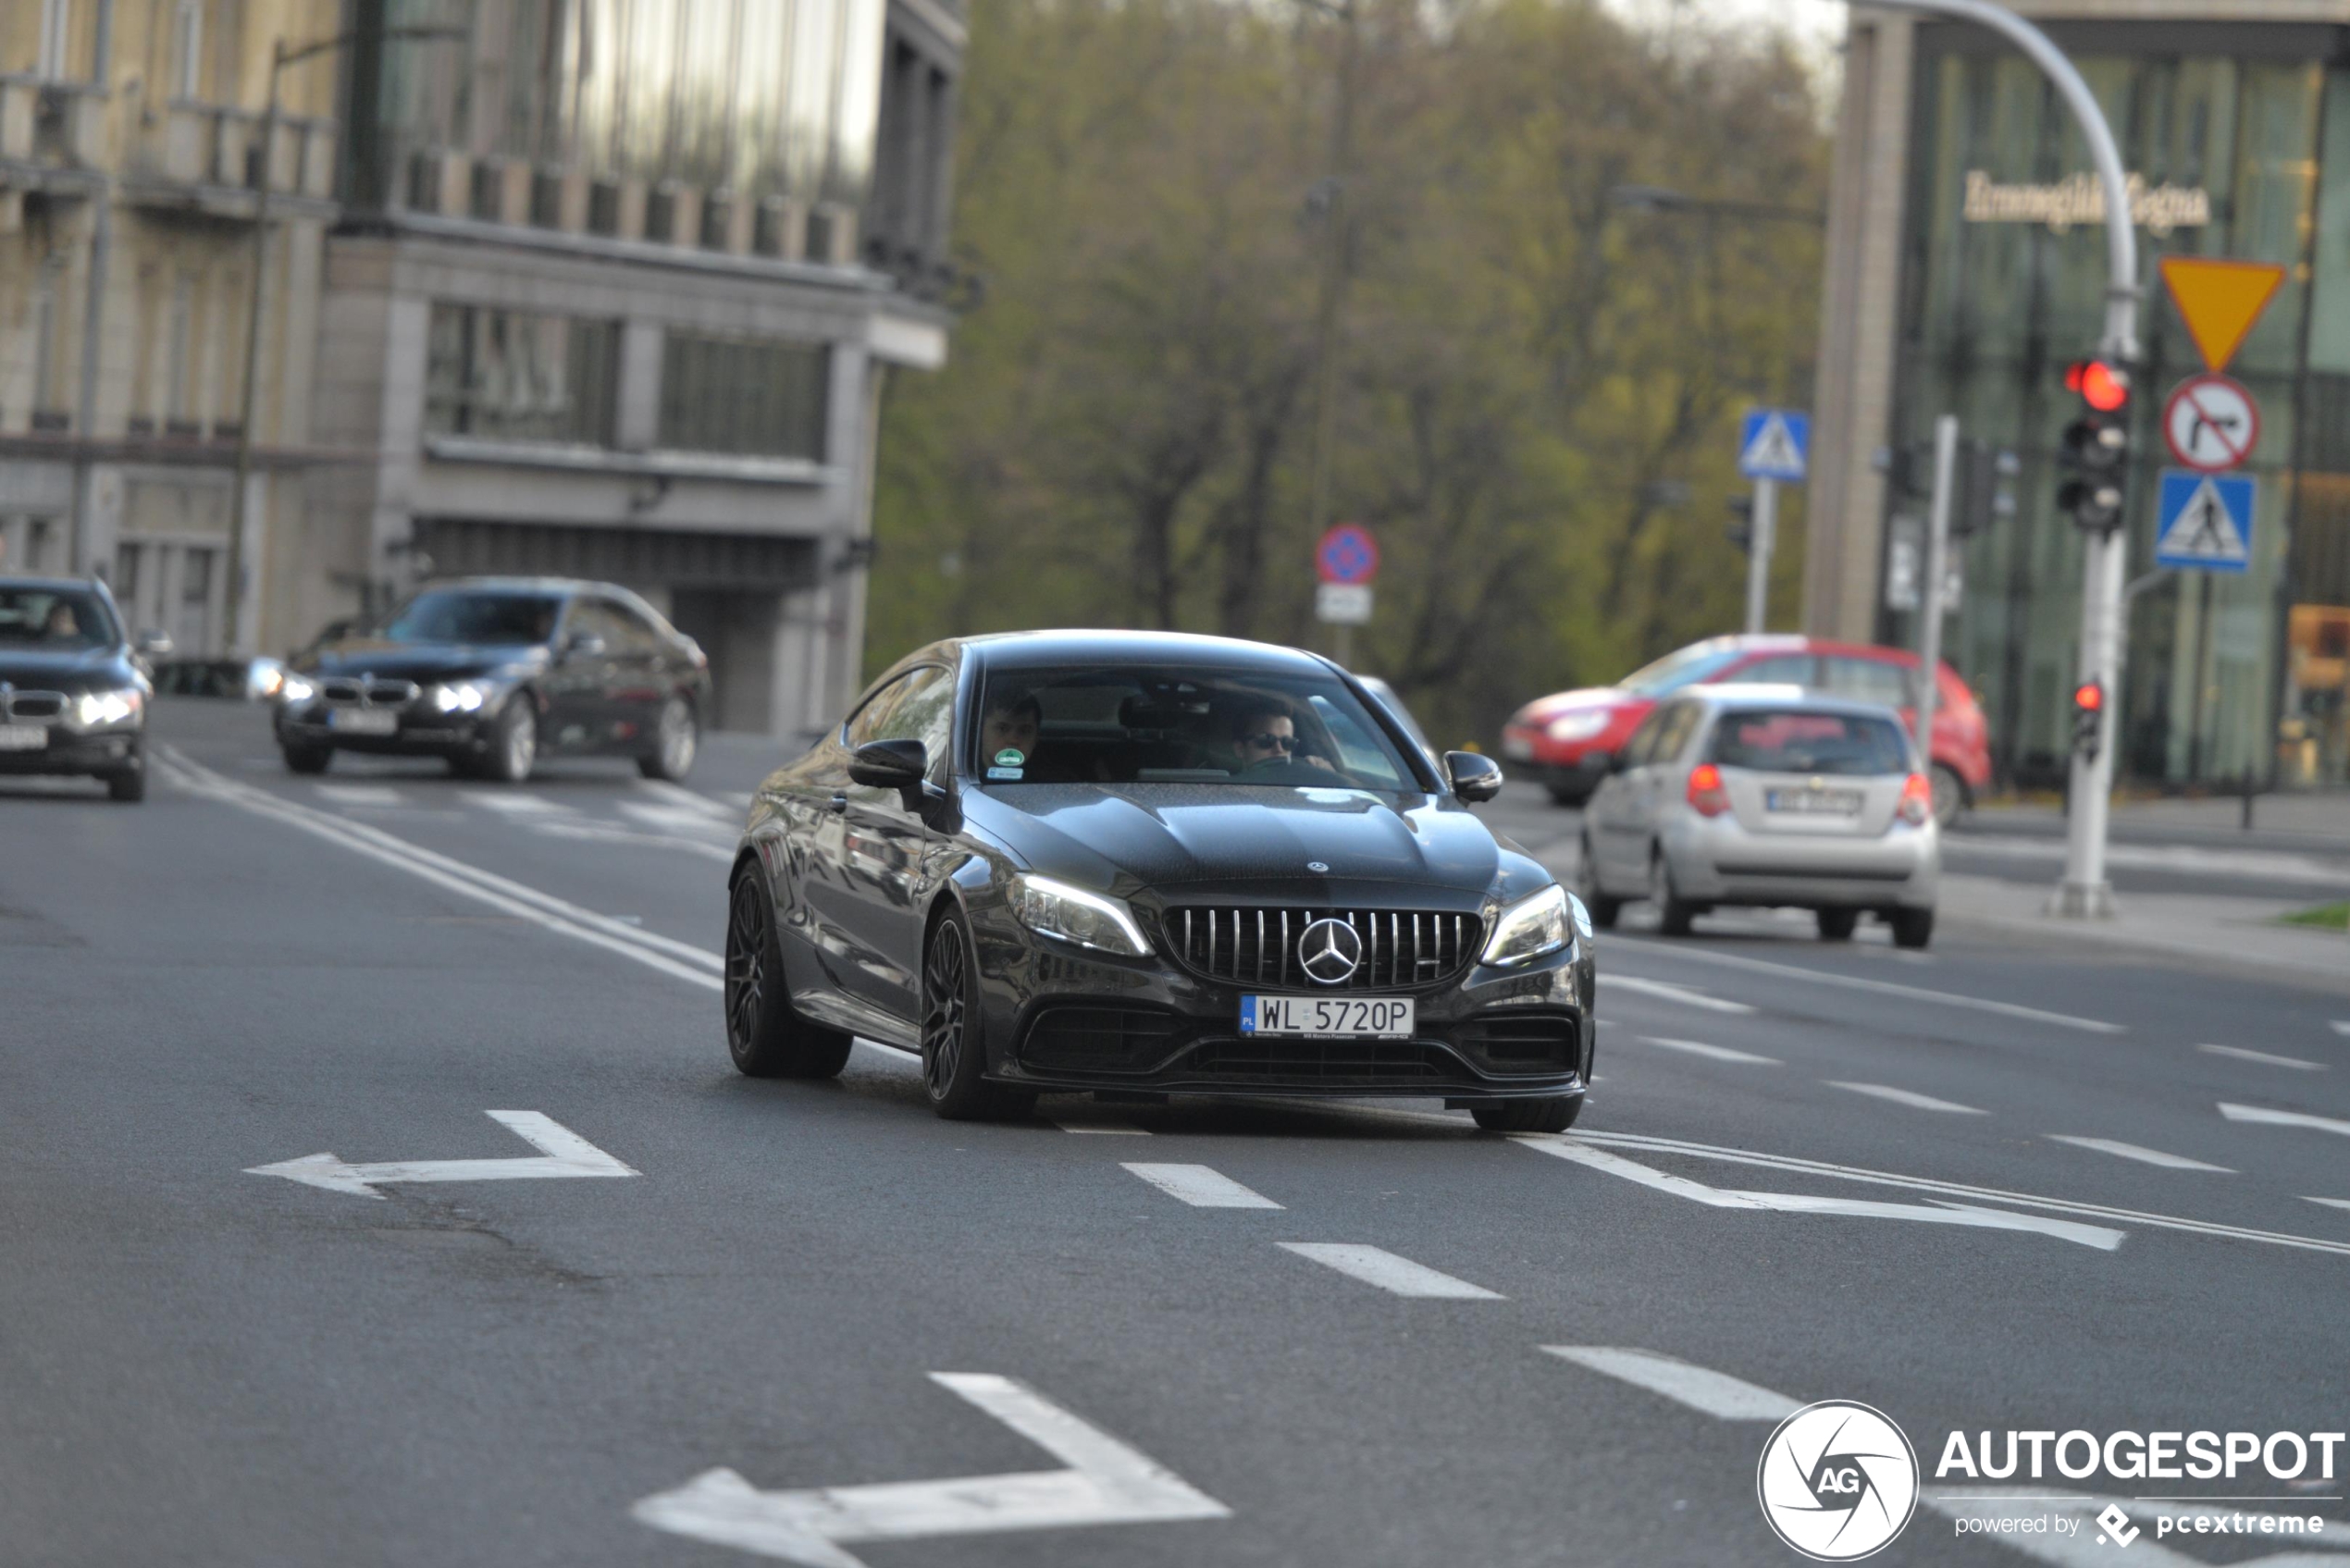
point(1763, 794)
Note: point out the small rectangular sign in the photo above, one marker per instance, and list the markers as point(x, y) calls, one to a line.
point(1342, 604)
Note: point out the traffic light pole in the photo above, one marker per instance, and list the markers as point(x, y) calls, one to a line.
point(1761, 526)
point(1938, 558)
point(2084, 892)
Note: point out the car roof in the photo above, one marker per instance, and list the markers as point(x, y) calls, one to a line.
point(1082, 645)
point(521, 585)
point(83, 584)
point(1730, 697)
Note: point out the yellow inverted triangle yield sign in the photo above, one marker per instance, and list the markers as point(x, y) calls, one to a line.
point(2220, 301)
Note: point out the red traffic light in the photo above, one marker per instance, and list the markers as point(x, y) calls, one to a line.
point(2103, 386)
point(2088, 697)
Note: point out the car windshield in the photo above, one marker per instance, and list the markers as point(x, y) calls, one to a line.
point(471, 616)
point(59, 618)
point(1143, 725)
point(1794, 740)
point(1685, 667)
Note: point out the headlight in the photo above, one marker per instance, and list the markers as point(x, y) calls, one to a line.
point(1578, 726)
point(1090, 919)
point(459, 696)
point(96, 709)
point(1530, 928)
point(295, 688)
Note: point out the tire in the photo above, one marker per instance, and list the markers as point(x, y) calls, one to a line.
point(1673, 913)
point(954, 1047)
point(1570, 796)
point(1950, 793)
point(513, 741)
point(1604, 909)
point(676, 741)
point(308, 759)
point(1529, 1116)
point(1911, 928)
point(1837, 925)
point(131, 783)
point(764, 1035)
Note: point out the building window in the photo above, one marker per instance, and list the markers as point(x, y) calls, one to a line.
point(178, 351)
point(506, 375)
point(56, 28)
point(187, 49)
point(47, 329)
point(738, 395)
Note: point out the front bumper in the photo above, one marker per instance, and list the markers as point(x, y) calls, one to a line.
point(1062, 1018)
point(425, 734)
point(101, 753)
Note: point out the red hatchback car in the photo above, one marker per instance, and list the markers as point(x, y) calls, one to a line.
point(1571, 736)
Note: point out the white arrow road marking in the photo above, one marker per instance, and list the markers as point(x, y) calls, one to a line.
point(1856, 983)
point(1680, 993)
point(1401, 1276)
point(566, 1155)
point(1201, 1187)
point(2095, 1236)
point(1719, 1053)
point(1910, 1097)
point(2262, 1115)
point(1711, 1393)
point(1932, 1187)
point(2136, 1152)
point(2263, 1058)
point(1106, 1483)
point(2085, 1547)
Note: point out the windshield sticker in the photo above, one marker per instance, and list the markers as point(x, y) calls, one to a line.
point(1010, 757)
point(1005, 772)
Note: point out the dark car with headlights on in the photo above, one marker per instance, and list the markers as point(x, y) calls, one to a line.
point(1137, 863)
point(73, 688)
point(494, 673)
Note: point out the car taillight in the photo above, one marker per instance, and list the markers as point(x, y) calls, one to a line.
point(1917, 800)
point(1706, 792)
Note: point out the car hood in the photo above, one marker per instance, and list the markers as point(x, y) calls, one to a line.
point(1542, 710)
point(422, 661)
point(1130, 838)
point(76, 668)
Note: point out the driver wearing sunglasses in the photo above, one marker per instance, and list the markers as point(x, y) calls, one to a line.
point(1268, 738)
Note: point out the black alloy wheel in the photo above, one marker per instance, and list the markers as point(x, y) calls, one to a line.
point(764, 1035)
point(954, 1053)
point(513, 741)
point(1603, 909)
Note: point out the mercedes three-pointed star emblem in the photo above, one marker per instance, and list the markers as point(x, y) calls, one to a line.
point(1330, 950)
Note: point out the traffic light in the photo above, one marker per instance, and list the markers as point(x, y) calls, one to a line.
point(2088, 718)
point(2097, 445)
point(1987, 489)
point(1741, 529)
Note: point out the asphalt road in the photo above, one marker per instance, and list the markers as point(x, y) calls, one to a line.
point(204, 1365)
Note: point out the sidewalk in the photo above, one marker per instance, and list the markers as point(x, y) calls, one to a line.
point(2316, 825)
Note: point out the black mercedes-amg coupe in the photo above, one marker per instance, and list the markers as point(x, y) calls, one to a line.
point(1142, 863)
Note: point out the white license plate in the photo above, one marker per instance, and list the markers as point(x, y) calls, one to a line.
point(1814, 802)
point(1517, 749)
point(23, 737)
point(1378, 1017)
point(361, 721)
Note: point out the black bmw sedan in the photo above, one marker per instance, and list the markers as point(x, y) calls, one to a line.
point(1151, 863)
point(73, 689)
point(492, 673)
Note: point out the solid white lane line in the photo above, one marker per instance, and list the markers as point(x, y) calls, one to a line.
point(1719, 1053)
point(2329, 1202)
point(2261, 1115)
point(2263, 1058)
point(358, 794)
point(1883, 987)
point(1201, 1187)
point(1909, 1098)
point(1680, 993)
point(2136, 1152)
point(1118, 1128)
point(456, 876)
point(1642, 1143)
point(1716, 1394)
point(1401, 1276)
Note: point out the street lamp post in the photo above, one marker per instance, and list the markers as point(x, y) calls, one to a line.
point(1333, 283)
point(281, 56)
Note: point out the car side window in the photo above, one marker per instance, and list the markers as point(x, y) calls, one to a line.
point(632, 632)
point(924, 711)
point(1638, 750)
point(1673, 737)
point(1867, 680)
point(594, 618)
point(1780, 669)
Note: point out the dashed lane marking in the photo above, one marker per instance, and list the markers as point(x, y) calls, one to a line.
point(1115, 1128)
point(1718, 1053)
point(2342, 1026)
point(373, 797)
point(2329, 1202)
point(2262, 1115)
point(2136, 1152)
point(1681, 993)
point(1397, 1276)
point(1201, 1186)
point(1908, 1097)
point(678, 795)
point(513, 803)
point(2263, 1058)
point(1882, 987)
point(1716, 1394)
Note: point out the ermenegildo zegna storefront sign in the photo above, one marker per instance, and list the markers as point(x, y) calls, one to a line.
point(2158, 209)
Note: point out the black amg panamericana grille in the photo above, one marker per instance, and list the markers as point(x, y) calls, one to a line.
point(375, 694)
point(1401, 947)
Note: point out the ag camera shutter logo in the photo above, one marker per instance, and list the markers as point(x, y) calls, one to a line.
point(1837, 1481)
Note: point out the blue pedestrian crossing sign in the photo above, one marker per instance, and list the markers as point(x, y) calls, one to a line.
point(2206, 520)
point(1774, 443)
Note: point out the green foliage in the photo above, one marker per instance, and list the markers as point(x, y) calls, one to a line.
point(1526, 372)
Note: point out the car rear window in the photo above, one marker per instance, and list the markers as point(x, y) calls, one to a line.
point(1795, 740)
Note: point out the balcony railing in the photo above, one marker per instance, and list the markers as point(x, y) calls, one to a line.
point(217, 146)
point(51, 126)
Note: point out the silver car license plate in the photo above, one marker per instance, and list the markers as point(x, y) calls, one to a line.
point(23, 737)
point(1337, 1018)
point(1814, 802)
point(361, 721)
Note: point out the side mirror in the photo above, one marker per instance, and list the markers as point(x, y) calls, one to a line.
point(152, 644)
point(1475, 776)
point(892, 764)
point(584, 645)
